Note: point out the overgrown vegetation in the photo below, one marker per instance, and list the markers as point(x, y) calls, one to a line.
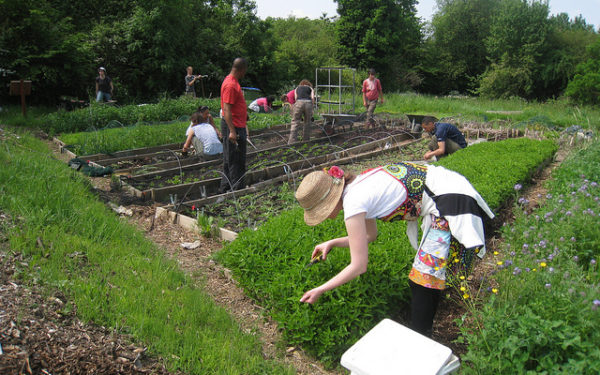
point(545, 315)
point(270, 262)
point(112, 273)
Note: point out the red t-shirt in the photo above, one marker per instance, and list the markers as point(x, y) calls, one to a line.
point(371, 88)
point(291, 97)
point(231, 93)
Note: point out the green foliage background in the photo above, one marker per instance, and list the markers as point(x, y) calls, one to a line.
point(496, 48)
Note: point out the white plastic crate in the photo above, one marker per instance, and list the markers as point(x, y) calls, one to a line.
point(392, 349)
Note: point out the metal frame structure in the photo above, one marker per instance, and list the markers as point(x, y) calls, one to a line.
point(330, 87)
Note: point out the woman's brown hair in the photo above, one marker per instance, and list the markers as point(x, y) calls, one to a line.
point(305, 82)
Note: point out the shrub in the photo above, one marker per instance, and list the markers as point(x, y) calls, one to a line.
point(269, 262)
point(585, 86)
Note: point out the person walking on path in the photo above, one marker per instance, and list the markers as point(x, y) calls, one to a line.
point(446, 138)
point(190, 81)
point(304, 97)
point(233, 127)
point(451, 209)
point(371, 92)
point(104, 86)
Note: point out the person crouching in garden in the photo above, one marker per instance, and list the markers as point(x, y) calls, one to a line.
point(452, 213)
point(262, 105)
point(304, 95)
point(445, 138)
point(203, 136)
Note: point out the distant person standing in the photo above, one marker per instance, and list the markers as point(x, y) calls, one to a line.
point(190, 81)
point(104, 86)
point(233, 127)
point(304, 95)
point(446, 138)
point(371, 92)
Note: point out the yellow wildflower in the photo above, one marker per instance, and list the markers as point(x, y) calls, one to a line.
point(543, 264)
point(456, 260)
point(462, 277)
point(494, 290)
point(533, 270)
point(499, 263)
point(465, 296)
point(496, 253)
point(462, 288)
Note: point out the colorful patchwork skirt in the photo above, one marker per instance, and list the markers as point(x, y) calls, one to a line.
point(441, 259)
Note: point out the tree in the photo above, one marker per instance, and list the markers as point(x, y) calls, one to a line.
point(302, 45)
point(585, 86)
point(455, 53)
point(516, 48)
point(380, 34)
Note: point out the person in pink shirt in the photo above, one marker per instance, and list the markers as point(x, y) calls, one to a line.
point(371, 92)
point(262, 105)
point(289, 99)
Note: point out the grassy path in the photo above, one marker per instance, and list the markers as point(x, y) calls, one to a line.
point(114, 275)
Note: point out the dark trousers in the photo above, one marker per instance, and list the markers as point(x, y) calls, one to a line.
point(423, 307)
point(234, 159)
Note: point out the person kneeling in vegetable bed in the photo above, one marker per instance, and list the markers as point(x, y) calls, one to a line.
point(451, 209)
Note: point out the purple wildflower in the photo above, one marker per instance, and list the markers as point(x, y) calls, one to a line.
point(575, 258)
point(568, 213)
point(518, 187)
point(527, 269)
point(525, 246)
point(548, 196)
point(573, 239)
point(548, 285)
point(562, 239)
point(512, 253)
point(517, 271)
point(593, 261)
point(594, 184)
point(571, 290)
point(550, 269)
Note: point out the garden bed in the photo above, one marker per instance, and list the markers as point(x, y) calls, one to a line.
point(203, 180)
point(270, 262)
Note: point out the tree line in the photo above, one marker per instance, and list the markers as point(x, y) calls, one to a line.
point(494, 48)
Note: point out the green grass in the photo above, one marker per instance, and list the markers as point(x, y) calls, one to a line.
point(269, 262)
point(111, 272)
point(546, 314)
point(12, 115)
point(551, 113)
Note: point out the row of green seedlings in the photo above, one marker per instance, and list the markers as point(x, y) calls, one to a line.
point(270, 262)
point(542, 305)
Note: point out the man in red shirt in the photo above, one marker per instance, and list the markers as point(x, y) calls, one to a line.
point(233, 128)
point(371, 92)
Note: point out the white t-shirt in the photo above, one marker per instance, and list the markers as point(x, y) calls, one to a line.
point(208, 136)
point(376, 193)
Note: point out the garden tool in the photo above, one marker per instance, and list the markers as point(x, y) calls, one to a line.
point(314, 260)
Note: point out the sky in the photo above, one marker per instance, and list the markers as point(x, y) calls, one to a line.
point(590, 9)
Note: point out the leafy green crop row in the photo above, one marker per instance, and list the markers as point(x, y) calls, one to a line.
point(99, 116)
point(111, 272)
point(269, 262)
point(545, 316)
point(495, 167)
point(137, 136)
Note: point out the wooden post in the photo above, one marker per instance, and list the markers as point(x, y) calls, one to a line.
point(21, 88)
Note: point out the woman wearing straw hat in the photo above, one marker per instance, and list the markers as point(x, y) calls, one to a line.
point(452, 213)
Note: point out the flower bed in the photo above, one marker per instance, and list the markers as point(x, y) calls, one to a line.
point(545, 315)
point(269, 262)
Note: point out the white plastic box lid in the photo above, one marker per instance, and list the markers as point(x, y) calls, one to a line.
point(390, 348)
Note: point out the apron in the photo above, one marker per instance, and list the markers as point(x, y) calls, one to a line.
point(439, 252)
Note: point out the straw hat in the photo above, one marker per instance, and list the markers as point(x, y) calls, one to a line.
point(319, 194)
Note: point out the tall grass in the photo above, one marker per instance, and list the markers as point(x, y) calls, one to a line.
point(553, 112)
point(115, 276)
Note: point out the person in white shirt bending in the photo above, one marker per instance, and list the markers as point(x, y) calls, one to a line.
point(203, 135)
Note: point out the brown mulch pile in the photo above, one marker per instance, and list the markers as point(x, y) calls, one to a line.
point(40, 334)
